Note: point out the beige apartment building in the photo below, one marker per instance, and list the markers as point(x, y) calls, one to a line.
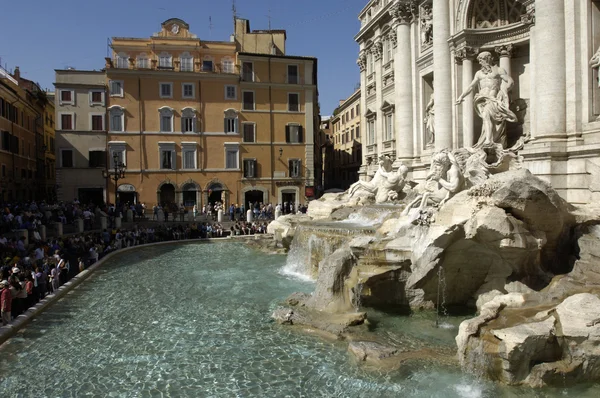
point(80, 143)
point(198, 121)
point(347, 147)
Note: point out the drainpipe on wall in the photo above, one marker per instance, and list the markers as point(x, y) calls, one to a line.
point(142, 126)
point(272, 134)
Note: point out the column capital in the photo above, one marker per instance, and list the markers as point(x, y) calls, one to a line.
point(465, 52)
point(377, 50)
point(403, 11)
point(504, 50)
point(393, 37)
point(362, 61)
point(529, 17)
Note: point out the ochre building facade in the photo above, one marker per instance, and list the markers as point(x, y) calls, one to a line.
point(199, 122)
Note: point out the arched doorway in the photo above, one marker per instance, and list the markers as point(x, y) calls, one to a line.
point(190, 194)
point(126, 194)
point(215, 193)
point(253, 197)
point(167, 194)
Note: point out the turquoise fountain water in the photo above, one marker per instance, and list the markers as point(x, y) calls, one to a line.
point(193, 320)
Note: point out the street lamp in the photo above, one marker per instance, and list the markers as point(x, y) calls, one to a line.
point(116, 174)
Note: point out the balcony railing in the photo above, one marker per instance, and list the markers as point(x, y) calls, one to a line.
point(197, 67)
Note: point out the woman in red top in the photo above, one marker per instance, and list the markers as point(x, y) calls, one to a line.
point(29, 289)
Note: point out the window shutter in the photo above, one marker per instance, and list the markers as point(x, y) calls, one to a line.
point(254, 168)
point(290, 168)
point(287, 133)
point(225, 125)
point(300, 137)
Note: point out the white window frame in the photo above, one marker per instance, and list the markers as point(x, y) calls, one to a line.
point(72, 157)
point(188, 57)
point(168, 60)
point(253, 100)
point(121, 85)
point(165, 111)
point(231, 114)
point(389, 128)
point(298, 141)
point(255, 171)
point(187, 147)
point(288, 74)
point(229, 61)
point(371, 131)
point(60, 100)
point(288, 102)
point(116, 147)
point(73, 124)
point(242, 71)
point(183, 90)
point(142, 61)
point(298, 173)
point(102, 114)
point(116, 110)
point(102, 98)
point(160, 86)
point(189, 113)
point(234, 92)
point(167, 146)
point(206, 59)
point(244, 124)
point(122, 60)
point(232, 146)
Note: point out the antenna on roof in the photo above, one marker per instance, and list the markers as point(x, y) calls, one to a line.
point(210, 26)
point(269, 17)
point(233, 9)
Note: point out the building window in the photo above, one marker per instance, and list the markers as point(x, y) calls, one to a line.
point(166, 119)
point(232, 155)
point(295, 168)
point(357, 133)
point(188, 90)
point(117, 118)
point(116, 88)
point(248, 104)
point(165, 60)
point(97, 158)
point(371, 131)
point(352, 113)
point(66, 158)
point(293, 102)
point(188, 155)
point(249, 132)
point(231, 121)
point(66, 121)
point(247, 71)
point(227, 65)
point(167, 156)
point(370, 65)
point(67, 97)
point(292, 77)
point(188, 120)
point(207, 65)
point(96, 97)
point(143, 62)
point(230, 92)
point(97, 122)
point(122, 61)
point(293, 133)
point(166, 90)
point(187, 62)
point(250, 168)
point(389, 126)
point(118, 148)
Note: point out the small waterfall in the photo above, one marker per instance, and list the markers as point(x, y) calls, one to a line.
point(356, 299)
point(441, 310)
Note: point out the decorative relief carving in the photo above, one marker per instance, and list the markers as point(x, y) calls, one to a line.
point(377, 50)
point(465, 52)
point(388, 80)
point(362, 61)
point(426, 22)
point(371, 88)
point(393, 37)
point(403, 12)
point(505, 50)
point(529, 17)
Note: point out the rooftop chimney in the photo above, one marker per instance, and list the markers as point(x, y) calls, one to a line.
point(17, 74)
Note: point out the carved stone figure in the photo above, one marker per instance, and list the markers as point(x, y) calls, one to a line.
point(385, 185)
point(429, 121)
point(595, 63)
point(426, 25)
point(362, 62)
point(491, 101)
point(445, 179)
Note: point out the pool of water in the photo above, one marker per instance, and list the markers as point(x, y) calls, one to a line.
point(193, 320)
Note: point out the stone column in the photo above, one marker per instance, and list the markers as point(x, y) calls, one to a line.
point(467, 55)
point(549, 69)
point(505, 54)
point(403, 14)
point(362, 65)
point(442, 76)
point(377, 51)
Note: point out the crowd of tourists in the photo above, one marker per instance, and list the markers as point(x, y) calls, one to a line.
point(33, 267)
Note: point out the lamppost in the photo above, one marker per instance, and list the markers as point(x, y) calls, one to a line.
point(116, 174)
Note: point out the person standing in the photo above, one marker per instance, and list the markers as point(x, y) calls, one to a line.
point(5, 303)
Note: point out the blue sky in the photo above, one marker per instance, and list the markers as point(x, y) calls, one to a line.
point(42, 35)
